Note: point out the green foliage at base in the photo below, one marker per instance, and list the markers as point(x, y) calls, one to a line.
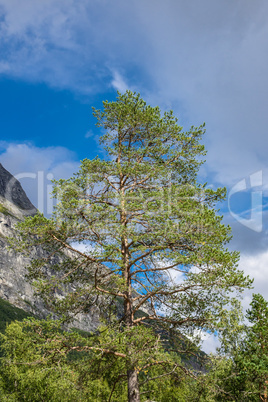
point(43, 363)
point(26, 372)
point(79, 376)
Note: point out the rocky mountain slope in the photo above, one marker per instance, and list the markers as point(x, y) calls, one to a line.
point(14, 206)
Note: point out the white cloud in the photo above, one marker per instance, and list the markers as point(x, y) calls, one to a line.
point(86, 248)
point(256, 266)
point(66, 43)
point(42, 41)
point(176, 276)
point(210, 342)
point(213, 66)
point(118, 82)
point(89, 134)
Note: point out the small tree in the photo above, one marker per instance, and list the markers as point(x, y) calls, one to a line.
point(252, 361)
point(27, 370)
point(137, 227)
point(242, 372)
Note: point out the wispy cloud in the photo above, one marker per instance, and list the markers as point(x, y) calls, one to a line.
point(256, 266)
point(118, 82)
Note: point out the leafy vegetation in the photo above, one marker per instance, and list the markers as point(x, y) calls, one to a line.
point(41, 362)
point(241, 372)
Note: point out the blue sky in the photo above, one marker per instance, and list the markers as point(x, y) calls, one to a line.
point(205, 60)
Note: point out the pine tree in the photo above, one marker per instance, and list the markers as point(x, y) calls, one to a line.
point(136, 227)
point(253, 360)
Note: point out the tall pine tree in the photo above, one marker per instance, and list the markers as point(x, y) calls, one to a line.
point(138, 228)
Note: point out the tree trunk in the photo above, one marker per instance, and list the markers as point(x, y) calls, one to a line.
point(132, 374)
point(265, 396)
point(133, 386)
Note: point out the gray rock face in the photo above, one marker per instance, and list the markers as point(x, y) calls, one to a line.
point(14, 286)
point(11, 190)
